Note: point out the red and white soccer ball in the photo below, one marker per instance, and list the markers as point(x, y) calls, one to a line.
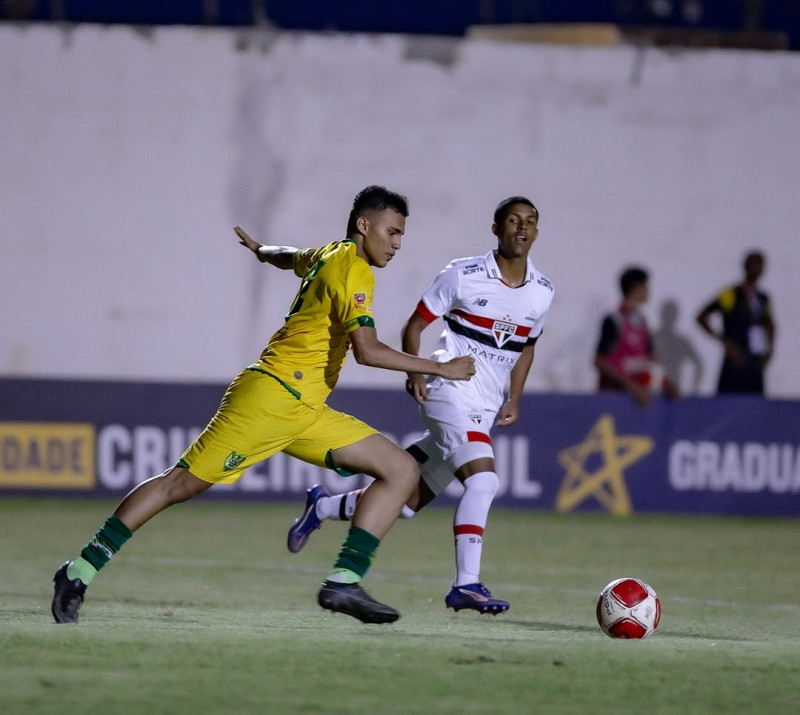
point(628, 608)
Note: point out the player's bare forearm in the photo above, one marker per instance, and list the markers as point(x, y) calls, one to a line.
point(368, 350)
point(279, 256)
point(410, 336)
point(509, 411)
point(381, 355)
point(519, 373)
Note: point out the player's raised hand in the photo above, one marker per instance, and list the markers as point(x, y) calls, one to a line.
point(245, 240)
point(416, 387)
point(460, 368)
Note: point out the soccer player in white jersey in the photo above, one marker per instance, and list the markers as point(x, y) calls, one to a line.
point(494, 307)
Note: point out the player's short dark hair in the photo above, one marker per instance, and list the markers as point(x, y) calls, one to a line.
point(751, 256)
point(631, 278)
point(501, 211)
point(375, 198)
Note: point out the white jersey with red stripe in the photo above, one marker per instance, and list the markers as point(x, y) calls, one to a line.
point(486, 318)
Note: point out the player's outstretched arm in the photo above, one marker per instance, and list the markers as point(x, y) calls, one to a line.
point(509, 412)
point(410, 338)
point(279, 256)
point(368, 350)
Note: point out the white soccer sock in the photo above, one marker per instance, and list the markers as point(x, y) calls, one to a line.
point(339, 507)
point(469, 523)
point(407, 512)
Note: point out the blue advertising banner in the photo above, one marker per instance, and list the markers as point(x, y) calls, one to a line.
point(722, 455)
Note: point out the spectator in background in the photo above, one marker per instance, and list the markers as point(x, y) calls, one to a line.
point(624, 357)
point(748, 330)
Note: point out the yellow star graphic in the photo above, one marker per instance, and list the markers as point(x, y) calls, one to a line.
point(607, 482)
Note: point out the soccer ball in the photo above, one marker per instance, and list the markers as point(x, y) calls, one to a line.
point(628, 608)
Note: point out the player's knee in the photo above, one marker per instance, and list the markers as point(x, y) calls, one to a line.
point(407, 471)
point(483, 485)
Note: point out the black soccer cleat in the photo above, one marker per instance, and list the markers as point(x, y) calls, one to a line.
point(353, 600)
point(67, 596)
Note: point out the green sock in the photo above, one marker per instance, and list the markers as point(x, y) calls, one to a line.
point(343, 576)
point(355, 556)
point(98, 552)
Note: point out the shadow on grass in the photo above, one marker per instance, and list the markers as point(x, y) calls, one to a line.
point(543, 626)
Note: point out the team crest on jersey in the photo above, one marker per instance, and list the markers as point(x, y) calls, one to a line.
point(233, 460)
point(502, 332)
point(475, 416)
point(360, 299)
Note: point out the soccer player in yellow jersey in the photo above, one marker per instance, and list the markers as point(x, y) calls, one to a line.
point(278, 404)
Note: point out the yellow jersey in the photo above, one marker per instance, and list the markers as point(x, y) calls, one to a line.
point(335, 298)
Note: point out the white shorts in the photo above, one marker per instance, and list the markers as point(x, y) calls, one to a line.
point(457, 433)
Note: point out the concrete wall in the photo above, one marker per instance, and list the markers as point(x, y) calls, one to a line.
point(127, 155)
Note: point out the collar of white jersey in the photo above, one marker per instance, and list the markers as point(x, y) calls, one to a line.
point(493, 271)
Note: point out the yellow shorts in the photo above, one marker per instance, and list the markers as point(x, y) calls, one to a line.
point(258, 417)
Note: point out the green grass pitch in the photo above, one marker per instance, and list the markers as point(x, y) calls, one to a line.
point(205, 611)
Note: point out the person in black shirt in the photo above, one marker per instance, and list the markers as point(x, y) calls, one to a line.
point(748, 330)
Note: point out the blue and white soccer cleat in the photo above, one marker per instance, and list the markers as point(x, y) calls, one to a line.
point(476, 597)
point(308, 522)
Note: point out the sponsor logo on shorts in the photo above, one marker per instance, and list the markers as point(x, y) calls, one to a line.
point(233, 460)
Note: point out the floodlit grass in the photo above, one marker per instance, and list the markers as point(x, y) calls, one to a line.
point(204, 611)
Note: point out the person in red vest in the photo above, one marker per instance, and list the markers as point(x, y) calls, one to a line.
point(624, 356)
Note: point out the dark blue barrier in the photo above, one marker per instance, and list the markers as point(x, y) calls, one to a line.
point(419, 16)
point(725, 455)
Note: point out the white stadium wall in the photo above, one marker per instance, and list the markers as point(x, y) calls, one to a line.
point(127, 156)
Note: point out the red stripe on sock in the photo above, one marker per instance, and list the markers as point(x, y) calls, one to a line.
point(459, 529)
point(478, 437)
